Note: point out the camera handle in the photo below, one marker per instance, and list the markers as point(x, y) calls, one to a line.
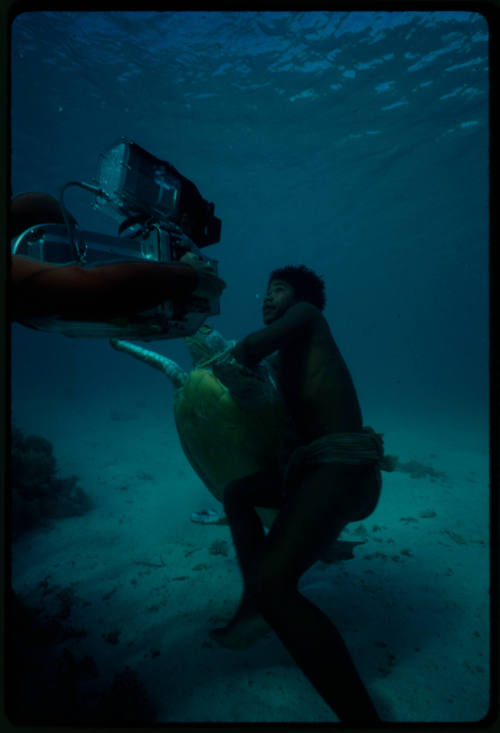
point(69, 219)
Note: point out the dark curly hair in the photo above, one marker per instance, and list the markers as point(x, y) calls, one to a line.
point(307, 285)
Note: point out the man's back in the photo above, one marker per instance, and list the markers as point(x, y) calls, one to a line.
point(316, 383)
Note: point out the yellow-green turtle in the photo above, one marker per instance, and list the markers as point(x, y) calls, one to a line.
point(227, 431)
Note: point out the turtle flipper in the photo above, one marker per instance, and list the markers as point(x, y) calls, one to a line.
point(173, 371)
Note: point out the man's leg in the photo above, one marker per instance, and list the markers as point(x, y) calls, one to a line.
point(240, 499)
point(315, 512)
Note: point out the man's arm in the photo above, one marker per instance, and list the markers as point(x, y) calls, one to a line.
point(277, 335)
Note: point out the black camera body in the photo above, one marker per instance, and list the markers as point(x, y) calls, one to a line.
point(137, 184)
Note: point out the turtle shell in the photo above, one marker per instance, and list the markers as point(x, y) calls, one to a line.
point(222, 440)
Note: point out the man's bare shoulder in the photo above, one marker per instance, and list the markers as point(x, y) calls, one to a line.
point(304, 311)
point(307, 321)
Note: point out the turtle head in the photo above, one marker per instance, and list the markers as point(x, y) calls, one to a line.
point(205, 343)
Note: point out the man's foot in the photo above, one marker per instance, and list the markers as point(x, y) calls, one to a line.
point(241, 633)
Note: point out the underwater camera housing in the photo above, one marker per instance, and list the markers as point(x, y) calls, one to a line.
point(157, 208)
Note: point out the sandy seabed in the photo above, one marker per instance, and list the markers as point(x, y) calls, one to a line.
point(147, 584)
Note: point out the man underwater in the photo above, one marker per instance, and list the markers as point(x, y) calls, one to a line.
point(330, 479)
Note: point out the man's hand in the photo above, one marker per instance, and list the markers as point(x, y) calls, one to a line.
point(210, 285)
point(239, 353)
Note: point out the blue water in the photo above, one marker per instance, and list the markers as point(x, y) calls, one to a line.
point(355, 143)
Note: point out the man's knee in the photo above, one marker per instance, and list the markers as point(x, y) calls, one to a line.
point(244, 492)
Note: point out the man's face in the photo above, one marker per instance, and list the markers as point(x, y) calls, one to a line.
point(279, 297)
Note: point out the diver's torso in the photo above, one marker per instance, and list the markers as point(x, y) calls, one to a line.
point(317, 386)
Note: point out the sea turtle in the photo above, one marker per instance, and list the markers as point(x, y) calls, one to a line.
point(229, 430)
